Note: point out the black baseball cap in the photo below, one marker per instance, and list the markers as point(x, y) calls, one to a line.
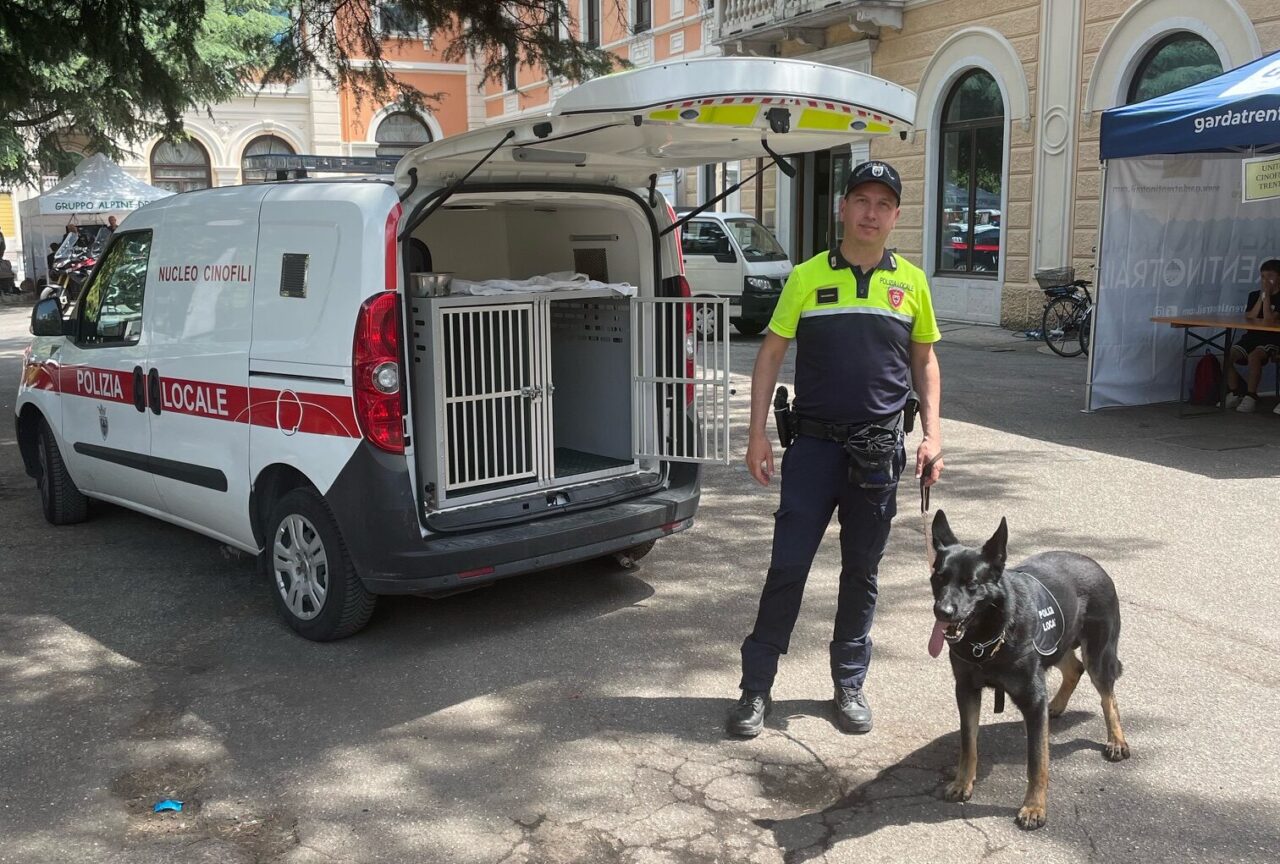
point(875, 172)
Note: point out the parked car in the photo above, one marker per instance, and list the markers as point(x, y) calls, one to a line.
point(986, 248)
point(732, 255)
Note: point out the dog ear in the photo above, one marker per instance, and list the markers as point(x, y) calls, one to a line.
point(995, 549)
point(942, 535)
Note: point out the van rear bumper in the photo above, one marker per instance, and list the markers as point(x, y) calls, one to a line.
point(374, 507)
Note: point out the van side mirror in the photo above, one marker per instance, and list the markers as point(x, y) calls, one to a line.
point(46, 318)
point(724, 252)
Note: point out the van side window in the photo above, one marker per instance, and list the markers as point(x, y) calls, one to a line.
point(111, 306)
point(703, 237)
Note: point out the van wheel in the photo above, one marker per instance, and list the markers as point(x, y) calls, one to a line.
point(704, 321)
point(628, 559)
point(62, 502)
point(749, 328)
point(312, 580)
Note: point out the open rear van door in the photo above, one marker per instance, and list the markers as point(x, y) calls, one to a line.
point(622, 128)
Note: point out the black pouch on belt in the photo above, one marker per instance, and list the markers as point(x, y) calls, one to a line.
point(872, 452)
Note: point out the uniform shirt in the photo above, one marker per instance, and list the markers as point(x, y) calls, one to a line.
point(853, 333)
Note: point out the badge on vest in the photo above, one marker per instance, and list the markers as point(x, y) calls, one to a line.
point(830, 294)
point(1048, 627)
point(896, 296)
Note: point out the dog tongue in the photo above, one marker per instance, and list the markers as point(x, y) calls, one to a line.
point(935, 641)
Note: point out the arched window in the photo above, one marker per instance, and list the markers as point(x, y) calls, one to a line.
point(263, 145)
point(971, 153)
point(180, 166)
point(399, 133)
point(1176, 61)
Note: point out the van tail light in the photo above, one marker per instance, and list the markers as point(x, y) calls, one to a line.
point(375, 371)
point(689, 338)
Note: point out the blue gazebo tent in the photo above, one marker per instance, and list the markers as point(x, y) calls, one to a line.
point(1237, 110)
point(1176, 236)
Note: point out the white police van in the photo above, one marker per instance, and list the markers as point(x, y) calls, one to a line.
point(268, 365)
point(732, 255)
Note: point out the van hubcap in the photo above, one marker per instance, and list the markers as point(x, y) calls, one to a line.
point(301, 566)
point(704, 320)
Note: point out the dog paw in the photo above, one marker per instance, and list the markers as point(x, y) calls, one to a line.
point(1030, 818)
point(1116, 751)
point(958, 791)
point(1057, 710)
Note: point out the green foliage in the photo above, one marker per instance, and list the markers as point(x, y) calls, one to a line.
point(346, 43)
point(108, 74)
point(1180, 62)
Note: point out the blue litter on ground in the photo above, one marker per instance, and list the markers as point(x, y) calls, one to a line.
point(168, 804)
point(1034, 334)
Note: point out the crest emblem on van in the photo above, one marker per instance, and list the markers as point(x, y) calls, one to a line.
point(102, 421)
point(895, 297)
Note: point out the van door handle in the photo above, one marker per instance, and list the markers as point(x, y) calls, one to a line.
point(139, 394)
point(153, 390)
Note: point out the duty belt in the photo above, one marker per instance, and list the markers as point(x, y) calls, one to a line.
point(840, 432)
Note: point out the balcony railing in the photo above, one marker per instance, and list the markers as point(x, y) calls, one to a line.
point(769, 19)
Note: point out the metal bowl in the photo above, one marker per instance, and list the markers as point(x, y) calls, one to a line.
point(431, 284)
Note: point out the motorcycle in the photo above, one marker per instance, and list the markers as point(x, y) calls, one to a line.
point(72, 264)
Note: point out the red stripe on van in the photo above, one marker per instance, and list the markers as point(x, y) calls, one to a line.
point(291, 411)
point(107, 385)
point(314, 413)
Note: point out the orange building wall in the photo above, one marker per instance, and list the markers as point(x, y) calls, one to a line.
point(449, 109)
point(532, 85)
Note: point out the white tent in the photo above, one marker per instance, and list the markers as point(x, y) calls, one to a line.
point(98, 188)
point(1178, 236)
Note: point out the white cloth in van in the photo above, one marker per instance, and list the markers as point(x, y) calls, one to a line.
point(562, 280)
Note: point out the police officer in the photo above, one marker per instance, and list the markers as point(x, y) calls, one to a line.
point(863, 322)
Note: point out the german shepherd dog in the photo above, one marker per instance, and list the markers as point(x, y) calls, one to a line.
point(1005, 626)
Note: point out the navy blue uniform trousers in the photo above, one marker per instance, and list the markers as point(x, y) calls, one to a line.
point(815, 481)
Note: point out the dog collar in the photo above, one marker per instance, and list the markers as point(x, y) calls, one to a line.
point(981, 651)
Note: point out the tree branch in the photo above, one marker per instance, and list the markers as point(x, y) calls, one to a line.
point(39, 121)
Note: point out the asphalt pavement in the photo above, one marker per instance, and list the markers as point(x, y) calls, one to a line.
point(577, 715)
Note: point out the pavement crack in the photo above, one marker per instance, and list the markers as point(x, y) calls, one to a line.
point(840, 781)
point(1084, 829)
point(989, 847)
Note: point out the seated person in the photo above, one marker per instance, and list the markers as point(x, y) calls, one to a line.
point(1256, 347)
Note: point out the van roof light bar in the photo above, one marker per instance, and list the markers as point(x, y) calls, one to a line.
point(295, 166)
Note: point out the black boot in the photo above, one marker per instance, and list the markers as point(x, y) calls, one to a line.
point(853, 714)
point(746, 717)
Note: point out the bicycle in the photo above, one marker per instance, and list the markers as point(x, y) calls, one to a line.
point(1068, 312)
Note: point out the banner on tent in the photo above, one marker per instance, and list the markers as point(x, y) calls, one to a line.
point(100, 205)
point(1177, 239)
point(1261, 179)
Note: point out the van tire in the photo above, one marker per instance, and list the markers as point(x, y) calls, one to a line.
point(63, 503)
point(346, 605)
point(749, 328)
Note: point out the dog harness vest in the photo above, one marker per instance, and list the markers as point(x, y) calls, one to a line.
point(853, 333)
point(1048, 628)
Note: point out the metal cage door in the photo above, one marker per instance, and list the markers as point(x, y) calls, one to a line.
point(492, 416)
point(680, 356)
